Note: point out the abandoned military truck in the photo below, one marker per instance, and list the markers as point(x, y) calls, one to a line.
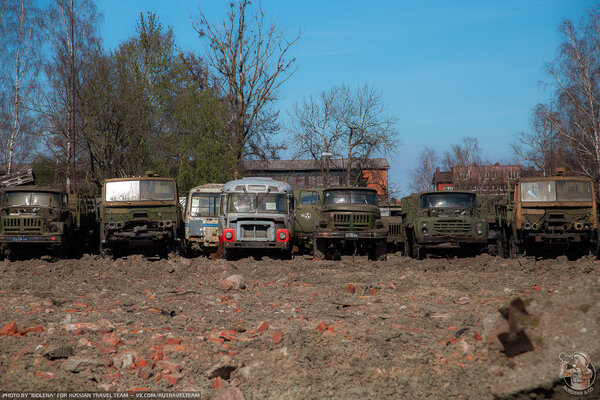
point(557, 213)
point(257, 217)
point(348, 221)
point(442, 220)
point(46, 221)
point(141, 213)
point(201, 219)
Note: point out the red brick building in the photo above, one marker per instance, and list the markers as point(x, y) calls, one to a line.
point(481, 179)
point(304, 174)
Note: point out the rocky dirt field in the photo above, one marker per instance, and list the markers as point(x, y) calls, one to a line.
point(299, 329)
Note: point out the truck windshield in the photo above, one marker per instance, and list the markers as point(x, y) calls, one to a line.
point(448, 200)
point(140, 190)
point(204, 205)
point(32, 199)
point(556, 191)
point(351, 197)
point(252, 202)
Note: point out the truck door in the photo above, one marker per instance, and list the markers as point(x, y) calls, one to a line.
point(307, 211)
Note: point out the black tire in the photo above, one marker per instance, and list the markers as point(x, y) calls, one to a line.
point(380, 251)
point(408, 246)
point(319, 248)
point(502, 244)
point(513, 248)
point(286, 254)
point(418, 251)
point(229, 254)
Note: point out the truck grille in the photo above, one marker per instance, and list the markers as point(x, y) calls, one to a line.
point(352, 221)
point(254, 231)
point(394, 229)
point(22, 224)
point(451, 227)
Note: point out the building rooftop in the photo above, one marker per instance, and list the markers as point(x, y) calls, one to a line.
point(306, 165)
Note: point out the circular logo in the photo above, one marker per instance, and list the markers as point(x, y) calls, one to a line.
point(577, 371)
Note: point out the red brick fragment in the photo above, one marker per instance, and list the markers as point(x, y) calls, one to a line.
point(167, 367)
point(173, 341)
point(218, 383)
point(171, 379)
point(144, 373)
point(263, 327)
point(10, 329)
point(322, 327)
point(111, 339)
point(277, 337)
point(351, 289)
point(373, 292)
point(477, 336)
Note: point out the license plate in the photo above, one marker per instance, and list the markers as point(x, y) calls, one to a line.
point(351, 235)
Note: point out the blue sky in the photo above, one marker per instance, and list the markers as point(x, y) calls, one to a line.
point(447, 70)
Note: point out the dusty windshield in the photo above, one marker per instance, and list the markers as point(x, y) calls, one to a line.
point(351, 197)
point(556, 191)
point(32, 199)
point(204, 205)
point(136, 190)
point(253, 202)
point(448, 200)
point(573, 191)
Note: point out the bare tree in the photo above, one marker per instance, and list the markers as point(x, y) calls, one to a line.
point(422, 175)
point(463, 155)
point(576, 72)
point(370, 130)
point(350, 123)
point(541, 147)
point(23, 62)
point(71, 28)
point(316, 128)
point(250, 60)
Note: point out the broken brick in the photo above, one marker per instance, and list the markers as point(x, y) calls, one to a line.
point(263, 327)
point(10, 329)
point(277, 337)
point(218, 383)
point(351, 289)
point(322, 327)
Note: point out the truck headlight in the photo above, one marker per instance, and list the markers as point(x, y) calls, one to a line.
point(479, 229)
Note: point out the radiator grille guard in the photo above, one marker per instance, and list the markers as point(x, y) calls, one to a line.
point(22, 225)
point(452, 227)
point(354, 221)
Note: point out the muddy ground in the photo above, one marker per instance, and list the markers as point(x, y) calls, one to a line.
point(299, 329)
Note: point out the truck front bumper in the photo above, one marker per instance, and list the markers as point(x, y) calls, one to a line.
point(45, 239)
point(448, 242)
point(241, 244)
point(352, 235)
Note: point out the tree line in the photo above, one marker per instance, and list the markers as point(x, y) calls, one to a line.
point(82, 113)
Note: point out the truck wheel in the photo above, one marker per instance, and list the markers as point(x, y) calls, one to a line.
point(378, 251)
point(418, 251)
point(286, 254)
point(513, 248)
point(408, 246)
point(502, 244)
point(229, 254)
point(319, 248)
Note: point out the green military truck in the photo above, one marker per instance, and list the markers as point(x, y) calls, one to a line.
point(37, 221)
point(391, 215)
point(341, 220)
point(142, 213)
point(442, 220)
point(548, 214)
